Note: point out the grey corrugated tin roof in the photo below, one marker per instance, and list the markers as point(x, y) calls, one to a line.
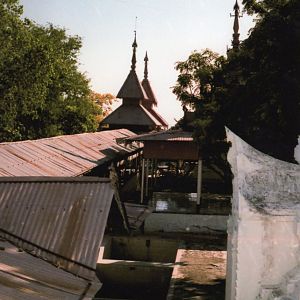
point(25, 277)
point(132, 88)
point(167, 135)
point(61, 220)
point(67, 155)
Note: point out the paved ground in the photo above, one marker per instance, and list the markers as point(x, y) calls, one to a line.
point(202, 271)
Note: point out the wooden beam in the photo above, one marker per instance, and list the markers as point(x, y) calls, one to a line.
point(142, 180)
point(199, 181)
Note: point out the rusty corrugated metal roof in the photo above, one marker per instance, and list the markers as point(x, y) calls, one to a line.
point(61, 220)
point(25, 277)
point(68, 155)
point(167, 135)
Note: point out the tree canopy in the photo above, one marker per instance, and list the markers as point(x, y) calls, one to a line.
point(255, 91)
point(42, 92)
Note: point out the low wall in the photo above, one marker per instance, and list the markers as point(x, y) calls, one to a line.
point(135, 267)
point(125, 273)
point(143, 249)
point(161, 222)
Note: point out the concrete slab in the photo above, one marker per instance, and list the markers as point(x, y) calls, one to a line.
point(198, 274)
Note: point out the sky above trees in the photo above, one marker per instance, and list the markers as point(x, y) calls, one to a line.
point(169, 30)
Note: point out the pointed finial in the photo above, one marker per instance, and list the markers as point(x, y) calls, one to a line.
point(134, 46)
point(146, 66)
point(236, 35)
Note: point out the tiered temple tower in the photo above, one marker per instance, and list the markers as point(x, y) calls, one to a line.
point(137, 111)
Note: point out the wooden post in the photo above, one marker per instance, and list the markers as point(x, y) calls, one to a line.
point(152, 173)
point(147, 176)
point(113, 175)
point(142, 180)
point(199, 181)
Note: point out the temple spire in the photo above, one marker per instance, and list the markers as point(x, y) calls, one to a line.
point(134, 46)
point(146, 66)
point(236, 35)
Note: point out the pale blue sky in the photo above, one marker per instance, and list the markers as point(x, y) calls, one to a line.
point(168, 29)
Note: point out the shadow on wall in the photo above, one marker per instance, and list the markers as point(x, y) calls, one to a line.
point(187, 289)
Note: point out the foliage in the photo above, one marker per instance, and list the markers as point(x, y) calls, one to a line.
point(263, 91)
point(262, 8)
point(255, 91)
point(103, 101)
point(199, 86)
point(41, 90)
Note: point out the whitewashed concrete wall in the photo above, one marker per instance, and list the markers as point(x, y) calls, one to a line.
point(166, 222)
point(297, 152)
point(264, 227)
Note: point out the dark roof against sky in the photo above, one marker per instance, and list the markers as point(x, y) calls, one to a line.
point(132, 88)
point(148, 89)
point(158, 117)
point(131, 115)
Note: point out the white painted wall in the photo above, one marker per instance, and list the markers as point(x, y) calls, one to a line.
point(263, 229)
point(166, 222)
point(297, 152)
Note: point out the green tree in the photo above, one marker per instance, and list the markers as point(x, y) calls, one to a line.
point(255, 91)
point(42, 93)
point(263, 7)
point(104, 101)
point(198, 87)
point(262, 99)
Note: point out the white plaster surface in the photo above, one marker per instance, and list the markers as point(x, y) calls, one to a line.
point(166, 222)
point(297, 152)
point(263, 234)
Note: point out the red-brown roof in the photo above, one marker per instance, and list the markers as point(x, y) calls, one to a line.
point(151, 96)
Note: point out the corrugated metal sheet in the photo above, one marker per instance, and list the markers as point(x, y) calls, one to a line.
point(61, 220)
point(167, 135)
point(137, 214)
point(69, 155)
point(23, 276)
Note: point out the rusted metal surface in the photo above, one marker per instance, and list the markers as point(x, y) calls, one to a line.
point(61, 220)
point(167, 135)
point(69, 155)
point(23, 276)
point(168, 145)
point(171, 150)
